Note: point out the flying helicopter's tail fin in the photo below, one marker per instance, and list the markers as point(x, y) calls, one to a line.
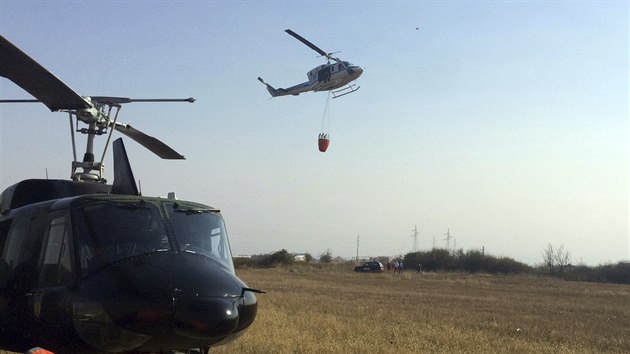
point(270, 88)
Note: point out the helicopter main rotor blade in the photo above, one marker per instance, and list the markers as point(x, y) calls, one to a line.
point(149, 142)
point(309, 44)
point(25, 72)
point(120, 100)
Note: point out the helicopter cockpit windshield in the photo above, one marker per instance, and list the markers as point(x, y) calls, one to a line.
point(111, 231)
point(200, 231)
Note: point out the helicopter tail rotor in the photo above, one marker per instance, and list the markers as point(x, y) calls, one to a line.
point(272, 91)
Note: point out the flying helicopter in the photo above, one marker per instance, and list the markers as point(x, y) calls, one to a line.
point(91, 267)
point(332, 76)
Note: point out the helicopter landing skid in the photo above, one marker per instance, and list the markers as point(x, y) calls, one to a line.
point(348, 89)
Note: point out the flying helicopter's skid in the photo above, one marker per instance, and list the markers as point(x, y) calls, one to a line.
point(352, 89)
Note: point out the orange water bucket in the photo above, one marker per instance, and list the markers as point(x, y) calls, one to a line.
point(323, 141)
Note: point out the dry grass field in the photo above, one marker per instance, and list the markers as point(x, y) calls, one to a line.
point(311, 309)
point(334, 310)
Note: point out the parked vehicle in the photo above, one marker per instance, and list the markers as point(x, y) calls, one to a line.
point(369, 267)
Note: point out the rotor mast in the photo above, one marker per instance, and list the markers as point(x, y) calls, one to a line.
point(99, 121)
point(95, 111)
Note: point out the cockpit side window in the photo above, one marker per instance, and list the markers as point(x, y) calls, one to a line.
point(5, 266)
point(14, 242)
point(15, 258)
point(57, 263)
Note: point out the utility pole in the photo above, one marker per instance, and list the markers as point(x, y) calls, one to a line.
point(448, 239)
point(415, 239)
point(357, 260)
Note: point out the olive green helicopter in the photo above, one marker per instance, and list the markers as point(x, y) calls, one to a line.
point(91, 267)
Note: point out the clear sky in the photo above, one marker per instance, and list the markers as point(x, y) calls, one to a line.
point(505, 122)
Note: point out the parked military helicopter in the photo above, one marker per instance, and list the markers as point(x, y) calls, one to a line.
point(327, 77)
point(90, 267)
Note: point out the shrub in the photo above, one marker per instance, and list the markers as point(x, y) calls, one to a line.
point(277, 258)
point(612, 273)
point(244, 263)
point(472, 261)
point(326, 257)
point(434, 260)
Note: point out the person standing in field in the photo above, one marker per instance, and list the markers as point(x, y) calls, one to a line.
point(395, 266)
point(400, 267)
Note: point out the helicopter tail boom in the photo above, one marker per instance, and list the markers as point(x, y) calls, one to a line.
point(270, 88)
point(293, 90)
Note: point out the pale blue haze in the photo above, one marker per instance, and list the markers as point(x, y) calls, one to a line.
point(506, 122)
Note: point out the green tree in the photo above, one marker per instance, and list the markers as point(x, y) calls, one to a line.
point(277, 258)
point(326, 257)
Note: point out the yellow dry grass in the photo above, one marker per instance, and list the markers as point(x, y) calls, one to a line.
point(330, 309)
point(312, 309)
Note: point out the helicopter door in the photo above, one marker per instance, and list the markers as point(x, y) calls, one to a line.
point(51, 300)
point(323, 75)
point(15, 270)
point(20, 246)
point(6, 271)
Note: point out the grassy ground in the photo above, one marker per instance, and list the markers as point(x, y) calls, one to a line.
point(309, 309)
point(333, 310)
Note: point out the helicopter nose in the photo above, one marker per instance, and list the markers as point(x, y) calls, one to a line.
point(166, 299)
point(205, 318)
point(188, 317)
point(356, 71)
point(203, 300)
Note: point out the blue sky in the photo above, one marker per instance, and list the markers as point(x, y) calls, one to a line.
point(506, 122)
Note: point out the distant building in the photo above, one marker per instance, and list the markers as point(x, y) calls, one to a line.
point(300, 257)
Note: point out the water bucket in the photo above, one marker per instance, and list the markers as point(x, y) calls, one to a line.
point(323, 141)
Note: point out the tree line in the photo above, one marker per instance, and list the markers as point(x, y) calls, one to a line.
point(556, 263)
